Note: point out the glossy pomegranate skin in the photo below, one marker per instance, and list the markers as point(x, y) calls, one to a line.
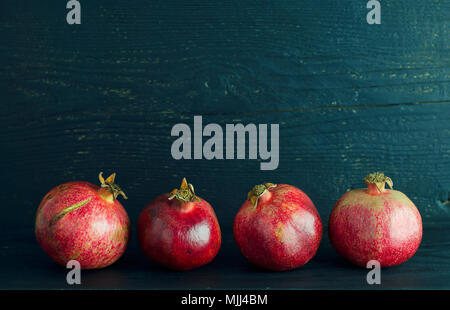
point(282, 232)
point(95, 234)
point(179, 235)
point(367, 225)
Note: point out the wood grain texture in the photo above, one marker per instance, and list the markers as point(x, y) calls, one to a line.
point(350, 98)
point(23, 265)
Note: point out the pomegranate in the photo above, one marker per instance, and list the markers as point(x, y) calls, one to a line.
point(179, 230)
point(278, 227)
point(375, 224)
point(81, 221)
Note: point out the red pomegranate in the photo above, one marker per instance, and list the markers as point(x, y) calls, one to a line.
point(179, 230)
point(81, 221)
point(375, 224)
point(278, 227)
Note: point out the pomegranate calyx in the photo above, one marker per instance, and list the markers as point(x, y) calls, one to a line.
point(186, 193)
point(258, 191)
point(379, 180)
point(109, 184)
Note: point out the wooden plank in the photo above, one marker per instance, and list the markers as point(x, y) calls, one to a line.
point(291, 54)
point(323, 152)
point(429, 268)
point(350, 98)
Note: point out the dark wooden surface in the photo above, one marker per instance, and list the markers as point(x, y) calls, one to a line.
point(350, 98)
point(25, 266)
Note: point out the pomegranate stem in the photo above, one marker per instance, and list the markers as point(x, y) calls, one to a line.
point(109, 184)
point(186, 193)
point(257, 192)
point(377, 180)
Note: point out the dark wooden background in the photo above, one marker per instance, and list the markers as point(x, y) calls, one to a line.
point(350, 98)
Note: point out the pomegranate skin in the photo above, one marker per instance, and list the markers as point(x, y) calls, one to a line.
point(368, 225)
point(179, 235)
point(95, 234)
point(282, 232)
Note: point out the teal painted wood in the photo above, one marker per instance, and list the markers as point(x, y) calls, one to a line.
point(350, 98)
point(25, 266)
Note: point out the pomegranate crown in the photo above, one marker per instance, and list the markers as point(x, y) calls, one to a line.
point(379, 179)
point(258, 191)
point(109, 184)
point(185, 193)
